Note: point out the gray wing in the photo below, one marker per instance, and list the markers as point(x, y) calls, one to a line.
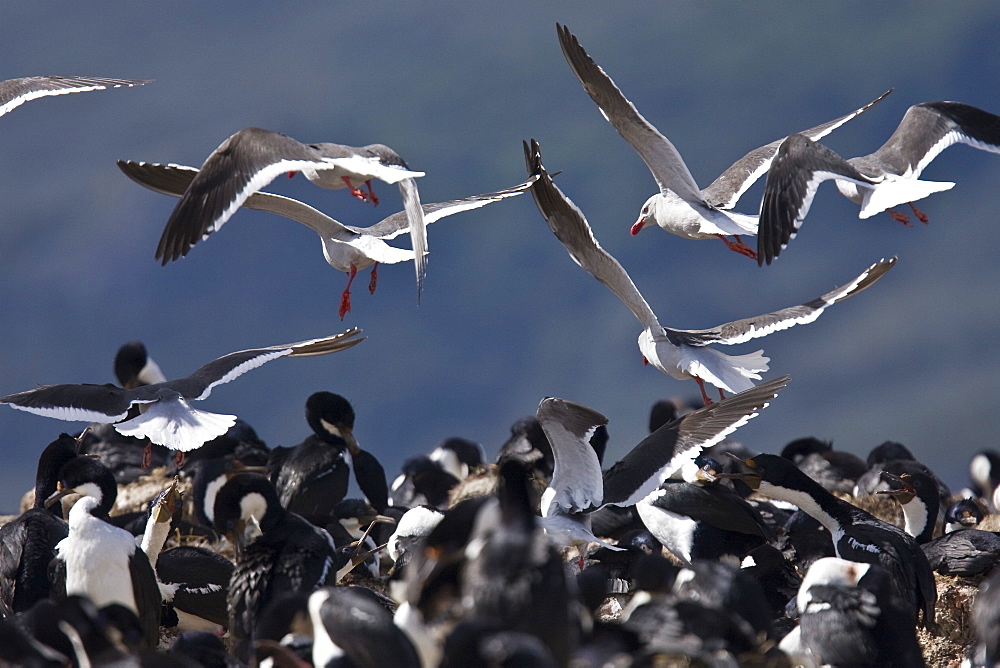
point(418, 229)
point(727, 189)
point(174, 180)
point(397, 223)
point(657, 152)
point(228, 367)
point(739, 331)
point(570, 226)
point(926, 130)
point(85, 402)
point(15, 92)
point(576, 477)
point(243, 164)
point(798, 169)
point(665, 450)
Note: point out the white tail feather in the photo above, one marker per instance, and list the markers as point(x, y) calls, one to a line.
point(895, 191)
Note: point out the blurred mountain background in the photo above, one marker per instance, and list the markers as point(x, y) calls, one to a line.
point(506, 318)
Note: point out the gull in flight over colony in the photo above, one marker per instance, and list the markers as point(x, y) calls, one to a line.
point(680, 207)
point(679, 353)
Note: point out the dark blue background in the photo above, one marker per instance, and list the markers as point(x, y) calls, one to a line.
point(506, 317)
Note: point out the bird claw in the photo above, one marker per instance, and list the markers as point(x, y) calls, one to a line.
point(345, 303)
point(739, 247)
point(373, 280)
point(900, 217)
point(921, 216)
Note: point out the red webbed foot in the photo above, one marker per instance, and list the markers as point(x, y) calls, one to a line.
point(921, 216)
point(355, 192)
point(373, 280)
point(899, 217)
point(345, 296)
point(738, 246)
point(147, 456)
point(179, 459)
point(371, 193)
point(701, 386)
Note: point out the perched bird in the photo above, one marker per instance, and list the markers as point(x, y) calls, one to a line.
point(15, 92)
point(346, 248)
point(984, 473)
point(967, 552)
point(349, 623)
point(28, 542)
point(166, 417)
point(963, 514)
point(986, 621)
point(193, 580)
point(878, 181)
point(314, 475)
point(678, 353)
point(695, 517)
point(849, 616)
point(836, 470)
point(680, 207)
point(97, 559)
point(289, 554)
point(856, 535)
point(251, 158)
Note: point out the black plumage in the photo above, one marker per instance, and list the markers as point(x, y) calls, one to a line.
point(857, 535)
point(290, 554)
point(27, 543)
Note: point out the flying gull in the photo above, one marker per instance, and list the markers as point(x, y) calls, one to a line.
point(677, 352)
point(250, 159)
point(166, 417)
point(878, 181)
point(680, 207)
point(347, 248)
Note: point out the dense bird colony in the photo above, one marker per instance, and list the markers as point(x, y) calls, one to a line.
point(166, 535)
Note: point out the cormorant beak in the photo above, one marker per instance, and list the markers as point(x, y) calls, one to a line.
point(167, 504)
point(60, 493)
point(752, 479)
point(352, 443)
point(904, 493)
point(706, 475)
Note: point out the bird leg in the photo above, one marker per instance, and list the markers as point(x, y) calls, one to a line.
point(921, 216)
point(373, 279)
point(371, 193)
point(900, 217)
point(738, 246)
point(147, 455)
point(355, 192)
point(291, 174)
point(722, 395)
point(345, 296)
point(701, 386)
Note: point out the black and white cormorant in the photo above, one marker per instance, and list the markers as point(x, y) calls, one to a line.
point(850, 616)
point(697, 517)
point(193, 580)
point(836, 470)
point(856, 534)
point(964, 514)
point(314, 475)
point(166, 417)
point(965, 552)
point(350, 624)
point(28, 542)
point(289, 554)
point(97, 559)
